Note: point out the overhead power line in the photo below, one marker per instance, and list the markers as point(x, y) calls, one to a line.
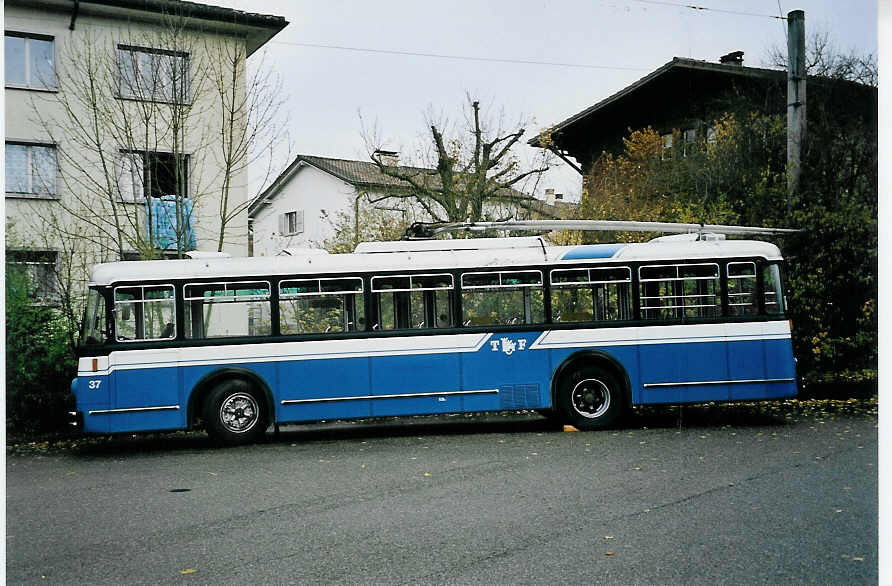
point(708, 9)
point(459, 57)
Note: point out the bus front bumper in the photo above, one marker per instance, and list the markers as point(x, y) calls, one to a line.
point(76, 418)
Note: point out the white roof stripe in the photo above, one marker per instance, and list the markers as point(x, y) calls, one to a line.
point(440, 258)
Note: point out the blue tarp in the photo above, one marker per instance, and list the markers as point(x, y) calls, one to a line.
point(163, 227)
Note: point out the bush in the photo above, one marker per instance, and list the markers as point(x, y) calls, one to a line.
point(39, 361)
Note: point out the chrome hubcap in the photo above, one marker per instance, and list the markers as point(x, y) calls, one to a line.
point(590, 398)
point(239, 412)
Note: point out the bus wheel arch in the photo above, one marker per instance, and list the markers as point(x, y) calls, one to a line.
point(591, 390)
point(203, 389)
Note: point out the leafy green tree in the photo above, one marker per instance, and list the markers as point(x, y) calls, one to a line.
point(39, 361)
point(738, 176)
point(651, 181)
point(370, 225)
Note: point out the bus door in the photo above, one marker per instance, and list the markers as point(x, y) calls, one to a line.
point(327, 378)
point(416, 370)
point(144, 382)
point(760, 357)
point(505, 373)
point(683, 353)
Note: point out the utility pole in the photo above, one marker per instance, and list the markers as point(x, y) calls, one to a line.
point(796, 121)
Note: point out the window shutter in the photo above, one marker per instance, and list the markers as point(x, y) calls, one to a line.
point(299, 224)
point(282, 227)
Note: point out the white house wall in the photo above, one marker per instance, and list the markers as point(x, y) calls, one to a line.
point(318, 194)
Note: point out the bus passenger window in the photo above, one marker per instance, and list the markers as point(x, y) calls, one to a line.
point(321, 306)
point(596, 294)
point(407, 302)
point(679, 291)
point(144, 313)
point(742, 288)
point(502, 298)
point(774, 292)
point(219, 310)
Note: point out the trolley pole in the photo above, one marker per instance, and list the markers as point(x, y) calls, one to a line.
point(796, 121)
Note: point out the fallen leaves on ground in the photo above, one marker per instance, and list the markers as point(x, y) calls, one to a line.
point(742, 413)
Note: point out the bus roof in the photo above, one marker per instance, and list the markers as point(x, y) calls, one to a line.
point(444, 255)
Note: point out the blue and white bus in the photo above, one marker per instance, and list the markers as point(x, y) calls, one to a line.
point(431, 326)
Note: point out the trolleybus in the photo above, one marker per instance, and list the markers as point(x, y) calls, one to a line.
point(432, 326)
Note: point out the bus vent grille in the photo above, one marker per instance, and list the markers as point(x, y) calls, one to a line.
point(519, 396)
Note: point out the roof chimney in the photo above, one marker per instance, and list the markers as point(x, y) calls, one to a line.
point(389, 158)
point(734, 58)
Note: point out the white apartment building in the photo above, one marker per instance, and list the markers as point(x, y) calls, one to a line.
point(114, 110)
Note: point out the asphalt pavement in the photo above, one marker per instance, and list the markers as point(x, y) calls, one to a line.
point(489, 499)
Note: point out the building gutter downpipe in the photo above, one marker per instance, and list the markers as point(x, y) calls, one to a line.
point(77, 5)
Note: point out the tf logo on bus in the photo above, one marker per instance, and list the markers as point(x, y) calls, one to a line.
point(507, 345)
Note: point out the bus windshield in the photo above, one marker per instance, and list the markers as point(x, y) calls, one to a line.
point(94, 329)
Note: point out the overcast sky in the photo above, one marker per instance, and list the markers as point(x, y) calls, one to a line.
point(618, 42)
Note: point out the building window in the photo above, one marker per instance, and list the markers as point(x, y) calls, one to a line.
point(31, 169)
point(666, 153)
point(30, 61)
point(153, 74)
point(153, 174)
point(689, 140)
point(36, 270)
point(291, 223)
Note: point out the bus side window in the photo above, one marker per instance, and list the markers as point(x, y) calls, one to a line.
point(321, 306)
point(144, 312)
point(430, 301)
point(406, 302)
point(219, 310)
point(774, 292)
point(679, 291)
point(742, 288)
point(502, 298)
point(596, 294)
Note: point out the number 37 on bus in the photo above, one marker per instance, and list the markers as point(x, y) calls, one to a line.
point(428, 326)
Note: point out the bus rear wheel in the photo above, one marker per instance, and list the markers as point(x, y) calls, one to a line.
point(234, 413)
point(591, 398)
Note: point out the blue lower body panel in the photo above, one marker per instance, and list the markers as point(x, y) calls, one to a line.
point(308, 381)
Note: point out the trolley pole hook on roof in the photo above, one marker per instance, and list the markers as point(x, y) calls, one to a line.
point(424, 231)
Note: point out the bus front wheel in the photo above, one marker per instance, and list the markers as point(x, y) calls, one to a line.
point(234, 413)
point(591, 398)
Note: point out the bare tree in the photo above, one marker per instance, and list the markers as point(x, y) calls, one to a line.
point(824, 59)
point(155, 129)
point(251, 130)
point(470, 175)
point(126, 119)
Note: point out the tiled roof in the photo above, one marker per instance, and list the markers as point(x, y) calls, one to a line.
point(367, 173)
point(362, 174)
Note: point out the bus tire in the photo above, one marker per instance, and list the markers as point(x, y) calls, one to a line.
point(591, 398)
point(234, 413)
